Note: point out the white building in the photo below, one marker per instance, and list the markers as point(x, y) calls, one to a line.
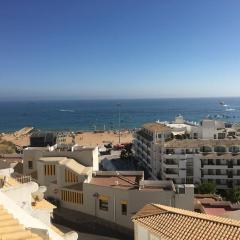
point(172, 151)
point(24, 213)
point(112, 196)
point(206, 129)
point(84, 155)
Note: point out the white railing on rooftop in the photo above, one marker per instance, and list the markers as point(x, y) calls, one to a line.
point(116, 173)
point(157, 184)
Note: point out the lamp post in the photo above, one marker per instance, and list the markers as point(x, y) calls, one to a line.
point(119, 122)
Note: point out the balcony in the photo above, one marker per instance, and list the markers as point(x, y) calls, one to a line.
point(170, 175)
point(146, 161)
point(170, 165)
point(223, 176)
point(236, 166)
point(213, 166)
point(145, 135)
point(221, 186)
point(144, 145)
point(175, 156)
point(144, 152)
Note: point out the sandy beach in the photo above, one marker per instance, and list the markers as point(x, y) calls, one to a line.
point(91, 139)
point(94, 139)
point(21, 141)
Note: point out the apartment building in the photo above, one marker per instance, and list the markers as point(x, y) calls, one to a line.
point(182, 156)
point(159, 222)
point(114, 196)
point(24, 213)
point(148, 145)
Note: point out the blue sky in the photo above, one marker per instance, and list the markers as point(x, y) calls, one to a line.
point(59, 49)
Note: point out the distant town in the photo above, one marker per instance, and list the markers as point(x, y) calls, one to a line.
point(122, 184)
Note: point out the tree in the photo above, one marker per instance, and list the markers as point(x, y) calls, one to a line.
point(127, 153)
point(124, 154)
point(233, 195)
point(207, 187)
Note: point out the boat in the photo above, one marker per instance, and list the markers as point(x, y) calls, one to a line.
point(222, 103)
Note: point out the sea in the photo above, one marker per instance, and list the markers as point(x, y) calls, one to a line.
point(88, 115)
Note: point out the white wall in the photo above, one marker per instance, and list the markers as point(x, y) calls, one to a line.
point(185, 201)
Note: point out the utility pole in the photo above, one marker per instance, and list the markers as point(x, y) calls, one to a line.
point(119, 123)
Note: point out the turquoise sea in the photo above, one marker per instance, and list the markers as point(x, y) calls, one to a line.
point(91, 114)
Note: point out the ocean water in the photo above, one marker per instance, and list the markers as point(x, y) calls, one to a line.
point(91, 114)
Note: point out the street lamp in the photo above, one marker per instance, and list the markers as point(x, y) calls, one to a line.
point(119, 122)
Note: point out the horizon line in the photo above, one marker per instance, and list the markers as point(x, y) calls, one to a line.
point(113, 99)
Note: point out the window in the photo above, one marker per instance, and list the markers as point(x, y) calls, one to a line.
point(180, 190)
point(70, 176)
point(210, 172)
point(220, 149)
point(195, 135)
point(30, 165)
point(221, 135)
point(218, 181)
point(49, 170)
point(72, 197)
point(103, 203)
point(210, 162)
point(234, 149)
point(205, 149)
point(124, 207)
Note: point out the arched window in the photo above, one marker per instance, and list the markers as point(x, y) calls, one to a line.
point(234, 149)
point(206, 149)
point(220, 149)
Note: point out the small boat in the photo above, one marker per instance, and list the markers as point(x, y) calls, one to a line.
point(222, 103)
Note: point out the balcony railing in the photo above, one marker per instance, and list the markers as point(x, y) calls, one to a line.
point(145, 135)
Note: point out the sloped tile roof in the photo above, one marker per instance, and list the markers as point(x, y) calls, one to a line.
point(173, 223)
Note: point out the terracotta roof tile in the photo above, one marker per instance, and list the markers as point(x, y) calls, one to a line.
point(125, 182)
point(174, 223)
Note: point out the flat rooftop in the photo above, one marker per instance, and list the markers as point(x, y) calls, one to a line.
point(77, 187)
point(52, 159)
point(130, 182)
point(45, 149)
point(158, 127)
point(196, 143)
point(124, 182)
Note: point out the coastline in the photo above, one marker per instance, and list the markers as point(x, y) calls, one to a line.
point(86, 138)
point(104, 114)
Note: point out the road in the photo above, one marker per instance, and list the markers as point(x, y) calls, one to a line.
point(116, 163)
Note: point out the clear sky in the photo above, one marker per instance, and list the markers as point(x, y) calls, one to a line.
point(84, 49)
